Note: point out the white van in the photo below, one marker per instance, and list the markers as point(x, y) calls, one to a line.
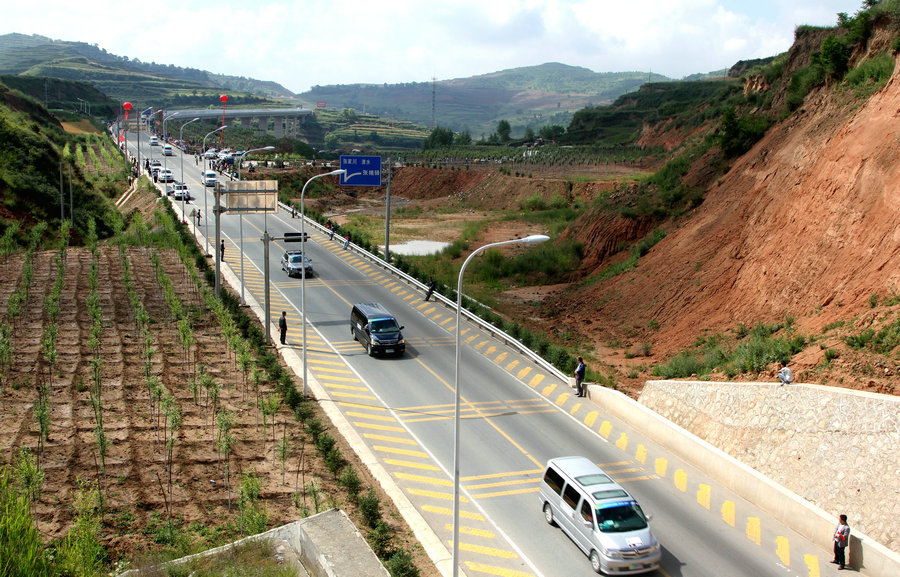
point(154, 141)
point(210, 178)
point(167, 150)
point(600, 516)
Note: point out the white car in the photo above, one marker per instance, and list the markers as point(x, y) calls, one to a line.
point(179, 191)
point(210, 153)
point(210, 178)
point(166, 175)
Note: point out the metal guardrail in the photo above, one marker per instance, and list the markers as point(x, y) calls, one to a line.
point(472, 317)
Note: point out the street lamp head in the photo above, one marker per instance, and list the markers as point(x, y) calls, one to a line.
point(535, 238)
point(341, 171)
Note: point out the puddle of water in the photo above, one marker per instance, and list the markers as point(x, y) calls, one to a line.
point(418, 247)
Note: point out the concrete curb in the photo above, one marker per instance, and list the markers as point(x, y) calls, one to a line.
point(795, 512)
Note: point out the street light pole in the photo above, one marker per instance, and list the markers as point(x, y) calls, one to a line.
point(181, 140)
point(240, 162)
point(527, 240)
point(205, 206)
point(165, 120)
point(303, 265)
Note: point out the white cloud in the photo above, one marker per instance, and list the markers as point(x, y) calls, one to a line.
point(304, 43)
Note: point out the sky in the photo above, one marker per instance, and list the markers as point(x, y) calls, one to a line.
point(300, 43)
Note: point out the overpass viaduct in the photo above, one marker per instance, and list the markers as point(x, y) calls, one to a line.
point(280, 122)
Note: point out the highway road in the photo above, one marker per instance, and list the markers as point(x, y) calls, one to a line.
point(515, 417)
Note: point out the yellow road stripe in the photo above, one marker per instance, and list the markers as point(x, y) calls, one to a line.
point(446, 511)
point(402, 441)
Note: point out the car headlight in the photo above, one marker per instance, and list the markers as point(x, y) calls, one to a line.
point(615, 554)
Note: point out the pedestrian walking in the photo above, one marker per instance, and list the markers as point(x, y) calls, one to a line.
point(346, 242)
point(430, 292)
point(222, 250)
point(198, 217)
point(579, 377)
point(293, 211)
point(282, 326)
point(331, 237)
point(841, 539)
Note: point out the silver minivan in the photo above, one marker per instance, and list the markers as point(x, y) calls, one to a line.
point(600, 516)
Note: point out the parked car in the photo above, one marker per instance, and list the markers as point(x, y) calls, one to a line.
point(210, 178)
point(210, 153)
point(293, 262)
point(166, 175)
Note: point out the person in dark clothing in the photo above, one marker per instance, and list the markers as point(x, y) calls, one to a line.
point(579, 377)
point(282, 326)
point(431, 286)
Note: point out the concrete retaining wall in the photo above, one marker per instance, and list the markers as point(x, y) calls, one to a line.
point(728, 406)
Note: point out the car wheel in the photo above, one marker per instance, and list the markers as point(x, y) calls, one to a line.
point(371, 349)
point(595, 562)
point(548, 514)
point(353, 334)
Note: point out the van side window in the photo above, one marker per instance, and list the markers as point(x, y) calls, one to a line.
point(586, 512)
point(554, 480)
point(571, 496)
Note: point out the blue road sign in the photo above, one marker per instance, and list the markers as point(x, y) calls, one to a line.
point(361, 170)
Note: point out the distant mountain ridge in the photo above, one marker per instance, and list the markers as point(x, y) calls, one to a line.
point(532, 96)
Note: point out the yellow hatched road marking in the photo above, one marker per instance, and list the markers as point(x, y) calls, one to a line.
point(535, 381)
point(754, 530)
point(681, 480)
point(728, 512)
point(402, 441)
point(561, 399)
point(319, 370)
point(350, 395)
point(502, 484)
point(346, 387)
point(322, 361)
point(591, 418)
point(511, 366)
point(492, 551)
point(622, 443)
point(379, 427)
point(548, 389)
point(704, 495)
point(499, 571)
point(445, 511)
point(470, 339)
point(783, 550)
point(507, 493)
point(472, 531)
point(447, 320)
point(480, 345)
point(523, 373)
point(491, 350)
point(428, 480)
point(605, 429)
point(368, 416)
point(498, 475)
point(343, 379)
point(660, 466)
point(575, 408)
point(436, 495)
point(361, 406)
point(412, 465)
point(641, 454)
point(396, 451)
point(812, 563)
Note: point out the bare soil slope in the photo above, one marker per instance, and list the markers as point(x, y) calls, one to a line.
point(805, 225)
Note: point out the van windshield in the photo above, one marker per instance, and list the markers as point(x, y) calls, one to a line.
point(621, 517)
point(383, 326)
